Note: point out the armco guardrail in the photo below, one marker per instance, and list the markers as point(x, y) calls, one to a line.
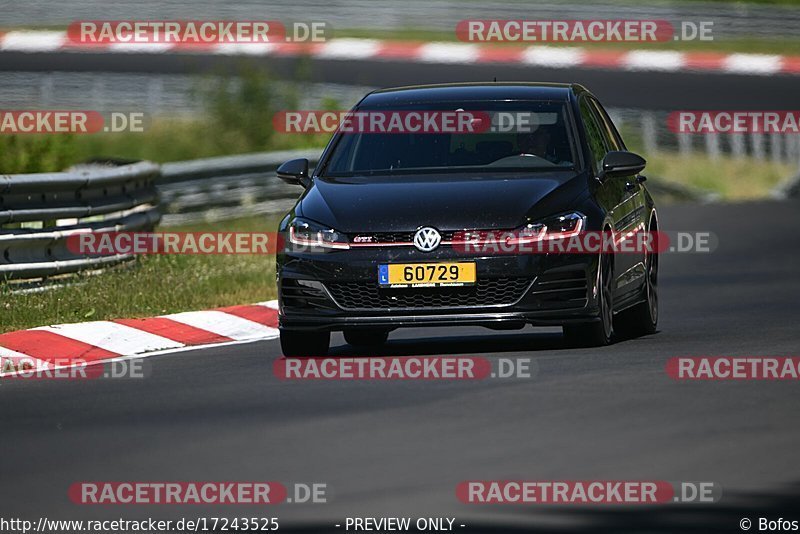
point(788, 189)
point(39, 211)
point(214, 189)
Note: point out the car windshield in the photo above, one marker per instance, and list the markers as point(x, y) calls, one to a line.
point(506, 136)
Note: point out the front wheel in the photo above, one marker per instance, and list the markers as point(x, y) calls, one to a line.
point(598, 333)
point(305, 344)
point(642, 319)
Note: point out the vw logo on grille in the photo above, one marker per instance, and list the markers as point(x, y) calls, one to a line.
point(427, 239)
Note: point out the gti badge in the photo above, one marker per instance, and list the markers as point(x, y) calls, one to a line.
point(427, 239)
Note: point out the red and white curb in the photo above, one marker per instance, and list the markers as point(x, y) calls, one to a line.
point(435, 52)
point(97, 342)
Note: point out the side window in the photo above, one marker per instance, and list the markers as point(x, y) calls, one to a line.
point(594, 134)
point(610, 134)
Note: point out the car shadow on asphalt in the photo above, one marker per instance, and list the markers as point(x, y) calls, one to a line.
point(454, 345)
point(491, 342)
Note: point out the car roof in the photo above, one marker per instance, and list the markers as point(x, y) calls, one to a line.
point(471, 91)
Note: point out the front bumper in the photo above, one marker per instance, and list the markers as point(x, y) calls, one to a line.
point(339, 289)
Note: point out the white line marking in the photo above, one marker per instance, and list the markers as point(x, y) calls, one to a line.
point(448, 53)
point(33, 41)
point(349, 49)
point(113, 337)
point(662, 60)
point(244, 49)
point(552, 56)
point(224, 324)
point(753, 63)
point(154, 48)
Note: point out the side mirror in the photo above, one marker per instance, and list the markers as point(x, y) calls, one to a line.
point(295, 172)
point(621, 163)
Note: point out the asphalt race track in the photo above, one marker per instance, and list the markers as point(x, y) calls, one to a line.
point(386, 448)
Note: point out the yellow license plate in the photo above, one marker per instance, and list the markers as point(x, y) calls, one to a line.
point(426, 274)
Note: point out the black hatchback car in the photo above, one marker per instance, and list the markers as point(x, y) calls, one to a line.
point(376, 241)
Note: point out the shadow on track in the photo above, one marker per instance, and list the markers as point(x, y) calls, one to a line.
point(489, 343)
point(454, 345)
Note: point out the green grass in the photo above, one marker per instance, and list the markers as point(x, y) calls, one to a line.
point(152, 285)
point(733, 179)
point(165, 139)
point(746, 45)
point(237, 119)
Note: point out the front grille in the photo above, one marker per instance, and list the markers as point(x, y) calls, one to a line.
point(389, 238)
point(486, 292)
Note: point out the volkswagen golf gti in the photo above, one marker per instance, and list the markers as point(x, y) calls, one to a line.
point(377, 240)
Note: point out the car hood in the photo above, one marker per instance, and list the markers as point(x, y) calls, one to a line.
point(446, 202)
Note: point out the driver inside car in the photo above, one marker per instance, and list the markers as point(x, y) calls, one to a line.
point(537, 143)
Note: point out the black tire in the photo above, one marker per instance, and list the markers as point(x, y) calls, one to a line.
point(642, 319)
point(366, 338)
point(304, 344)
point(598, 333)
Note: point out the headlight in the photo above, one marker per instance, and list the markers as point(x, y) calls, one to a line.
point(558, 227)
point(311, 235)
